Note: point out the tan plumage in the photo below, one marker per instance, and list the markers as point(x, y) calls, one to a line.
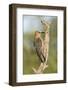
point(39, 46)
point(42, 46)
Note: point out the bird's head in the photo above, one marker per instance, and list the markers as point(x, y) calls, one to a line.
point(37, 34)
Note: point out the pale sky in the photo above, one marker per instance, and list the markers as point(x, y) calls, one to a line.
point(33, 23)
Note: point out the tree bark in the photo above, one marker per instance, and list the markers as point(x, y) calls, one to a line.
point(40, 69)
point(44, 65)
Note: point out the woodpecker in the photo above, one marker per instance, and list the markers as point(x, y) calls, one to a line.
point(39, 46)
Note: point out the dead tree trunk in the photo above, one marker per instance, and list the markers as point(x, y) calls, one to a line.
point(44, 65)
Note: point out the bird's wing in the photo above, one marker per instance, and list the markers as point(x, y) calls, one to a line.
point(39, 50)
point(41, 56)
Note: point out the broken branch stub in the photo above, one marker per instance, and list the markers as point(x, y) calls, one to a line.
point(40, 69)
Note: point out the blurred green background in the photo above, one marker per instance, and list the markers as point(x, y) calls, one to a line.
point(30, 58)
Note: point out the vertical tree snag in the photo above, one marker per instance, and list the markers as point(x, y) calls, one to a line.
point(43, 65)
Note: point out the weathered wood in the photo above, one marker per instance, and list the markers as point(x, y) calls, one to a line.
point(40, 69)
point(44, 65)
